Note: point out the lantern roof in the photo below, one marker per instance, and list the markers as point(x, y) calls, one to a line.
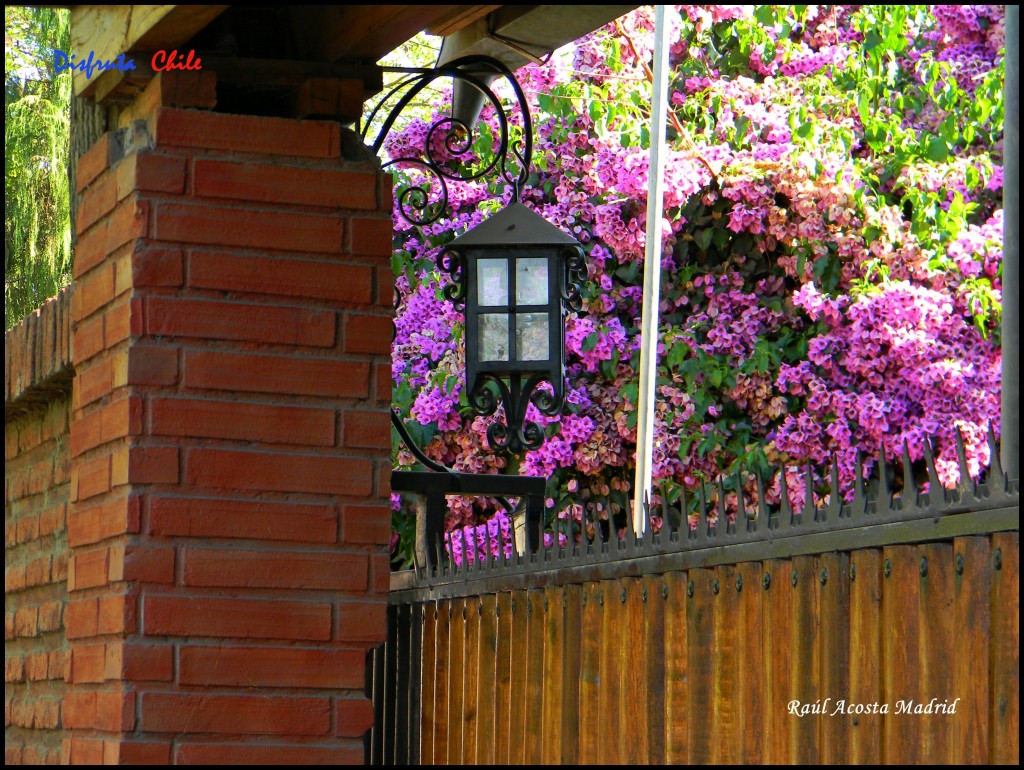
point(514, 225)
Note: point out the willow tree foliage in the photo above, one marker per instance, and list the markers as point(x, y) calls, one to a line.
point(37, 226)
point(831, 264)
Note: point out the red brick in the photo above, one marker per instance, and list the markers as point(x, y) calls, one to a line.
point(88, 340)
point(242, 519)
point(115, 614)
point(370, 430)
point(271, 667)
point(88, 569)
point(233, 568)
point(235, 714)
point(353, 717)
point(52, 520)
point(239, 321)
point(122, 418)
point(84, 751)
point(382, 383)
point(368, 333)
point(362, 622)
point(93, 291)
point(279, 472)
point(150, 172)
point(259, 754)
point(341, 283)
point(93, 382)
point(129, 220)
point(157, 267)
point(80, 619)
point(14, 668)
point(244, 133)
point(140, 564)
point(372, 237)
point(385, 287)
point(275, 374)
point(367, 524)
point(93, 162)
point(93, 523)
point(14, 578)
point(36, 667)
point(88, 663)
point(139, 662)
point(96, 202)
point(241, 618)
point(136, 753)
point(153, 465)
point(50, 616)
point(216, 225)
point(86, 432)
point(152, 366)
point(325, 187)
point(93, 478)
point(241, 421)
point(121, 321)
point(107, 711)
point(46, 716)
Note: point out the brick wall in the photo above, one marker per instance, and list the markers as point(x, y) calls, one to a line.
point(229, 439)
point(197, 523)
point(36, 484)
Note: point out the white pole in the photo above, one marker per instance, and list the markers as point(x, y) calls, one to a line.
point(652, 274)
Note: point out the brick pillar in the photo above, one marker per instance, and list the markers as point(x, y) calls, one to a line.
point(229, 439)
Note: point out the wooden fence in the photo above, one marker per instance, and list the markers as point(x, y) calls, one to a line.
point(787, 660)
point(884, 630)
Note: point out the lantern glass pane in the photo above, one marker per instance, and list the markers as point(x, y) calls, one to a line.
point(532, 281)
point(493, 337)
point(532, 337)
point(492, 282)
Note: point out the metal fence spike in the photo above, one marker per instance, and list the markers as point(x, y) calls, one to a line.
point(997, 481)
point(835, 498)
point(908, 497)
point(936, 492)
point(884, 500)
point(967, 486)
point(810, 510)
point(860, 502)
point(786, 511)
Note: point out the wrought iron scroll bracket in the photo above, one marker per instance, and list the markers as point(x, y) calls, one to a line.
point(450, 143)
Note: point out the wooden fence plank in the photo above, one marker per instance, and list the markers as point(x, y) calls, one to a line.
point(612, 633)
point(552, 677)
point(429, 679)
point(700, 637)
point(653, 650)
point(804, 681)
point(725, 721)
point(1005, 650)
point(486, 736)
point(832, 583)
point(503, 684)
point(778, 599)
point(935, 623)
point(571, 674)
point(456, 680)
point(971, 619)
point(592, 613)
point(751, 690)
point(441, 683)
point(677, 696)
point(536, 623)
point(517, 710)
point(471, 707)
point(634, 651)
point(866, 655)
point(900, 651)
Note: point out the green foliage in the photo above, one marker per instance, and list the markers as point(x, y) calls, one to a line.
point(37, 224)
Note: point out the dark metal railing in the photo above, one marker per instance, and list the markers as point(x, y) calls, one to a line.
point(876, 516)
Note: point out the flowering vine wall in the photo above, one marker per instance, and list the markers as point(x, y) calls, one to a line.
point(831, 258)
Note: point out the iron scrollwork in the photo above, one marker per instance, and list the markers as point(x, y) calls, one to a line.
point(450, 137)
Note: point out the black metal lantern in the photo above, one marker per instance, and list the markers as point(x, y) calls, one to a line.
point(517, 275)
